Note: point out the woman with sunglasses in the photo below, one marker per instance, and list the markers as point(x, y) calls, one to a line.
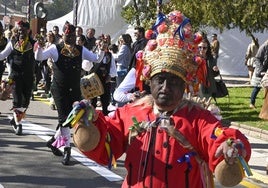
point(207, 89)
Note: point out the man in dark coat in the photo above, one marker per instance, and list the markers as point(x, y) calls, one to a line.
point(22, 72)
point(138, 45)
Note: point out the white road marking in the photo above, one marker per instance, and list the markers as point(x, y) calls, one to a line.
point(43, 133)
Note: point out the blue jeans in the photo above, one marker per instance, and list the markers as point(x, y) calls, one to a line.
point(254, 94)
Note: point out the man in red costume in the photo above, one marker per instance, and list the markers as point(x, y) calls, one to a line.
point(169, 141)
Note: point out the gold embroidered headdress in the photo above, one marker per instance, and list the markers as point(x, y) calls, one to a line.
point(172, 48)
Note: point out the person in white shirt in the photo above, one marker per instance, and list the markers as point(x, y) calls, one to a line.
point(127, 91)
point(65, 87)
point(122, 58)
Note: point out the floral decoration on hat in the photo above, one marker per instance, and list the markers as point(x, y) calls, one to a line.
point(172, 47)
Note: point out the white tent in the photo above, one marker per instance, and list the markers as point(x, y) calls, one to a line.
point(60, 21)
point(105, 17)
point(233, 47)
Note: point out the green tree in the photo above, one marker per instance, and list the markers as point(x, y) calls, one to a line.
point(246, 15)
point(59, 8)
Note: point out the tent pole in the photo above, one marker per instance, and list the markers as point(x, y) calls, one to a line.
point(75, 8)
point(29, 11)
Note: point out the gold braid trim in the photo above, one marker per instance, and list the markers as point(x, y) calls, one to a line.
point(23, 46)
point(70, 51)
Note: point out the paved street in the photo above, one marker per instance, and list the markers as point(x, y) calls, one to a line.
point(27, 163)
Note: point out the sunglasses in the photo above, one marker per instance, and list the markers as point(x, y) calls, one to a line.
point(202, 47)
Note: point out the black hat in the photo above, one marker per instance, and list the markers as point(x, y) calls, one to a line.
point(68, 28)
point(214, 35)
point(24, 24)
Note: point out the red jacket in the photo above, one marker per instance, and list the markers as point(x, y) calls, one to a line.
point(152, 156)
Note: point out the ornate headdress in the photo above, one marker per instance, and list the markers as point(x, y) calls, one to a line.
point(172, 47)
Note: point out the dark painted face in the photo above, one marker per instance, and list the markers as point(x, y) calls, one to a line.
point(22, 32)
point(167, 90)
point(69, 38)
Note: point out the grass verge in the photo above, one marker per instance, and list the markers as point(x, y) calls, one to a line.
point(236, 107)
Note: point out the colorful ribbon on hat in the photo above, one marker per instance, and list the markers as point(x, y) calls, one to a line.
point(160, 19)
point(180, 30)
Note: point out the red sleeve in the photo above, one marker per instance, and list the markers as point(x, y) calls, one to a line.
point(99, 154)
point(211, 134)
point(115, 128)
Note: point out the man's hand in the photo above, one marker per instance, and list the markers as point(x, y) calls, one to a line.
point(136, 95)
point(230, 149)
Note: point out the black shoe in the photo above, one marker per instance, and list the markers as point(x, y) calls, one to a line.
point(13, 124)
point(52, 106)
point(66, 156)
point(18, 131)
point(54, 150)
point(12, 121)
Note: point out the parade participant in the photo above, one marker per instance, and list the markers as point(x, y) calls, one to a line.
point(3, 43)
point(103, 70)
point(168, 141)
point(65, 87)
point(128, 91)
point(20, 50)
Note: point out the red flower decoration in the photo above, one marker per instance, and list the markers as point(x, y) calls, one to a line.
point(149, 34)
point(171, 41)
point(197, 38)
point(139, 55)
point(176, 17)
point(180, 44)
point(146, 71)
point(162, 41)
point(162, 28)
point(151, 45)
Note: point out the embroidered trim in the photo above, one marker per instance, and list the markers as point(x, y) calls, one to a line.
point(70, 51)
point(23, 46)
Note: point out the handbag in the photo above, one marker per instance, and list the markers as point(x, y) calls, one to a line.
point(221, 89)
